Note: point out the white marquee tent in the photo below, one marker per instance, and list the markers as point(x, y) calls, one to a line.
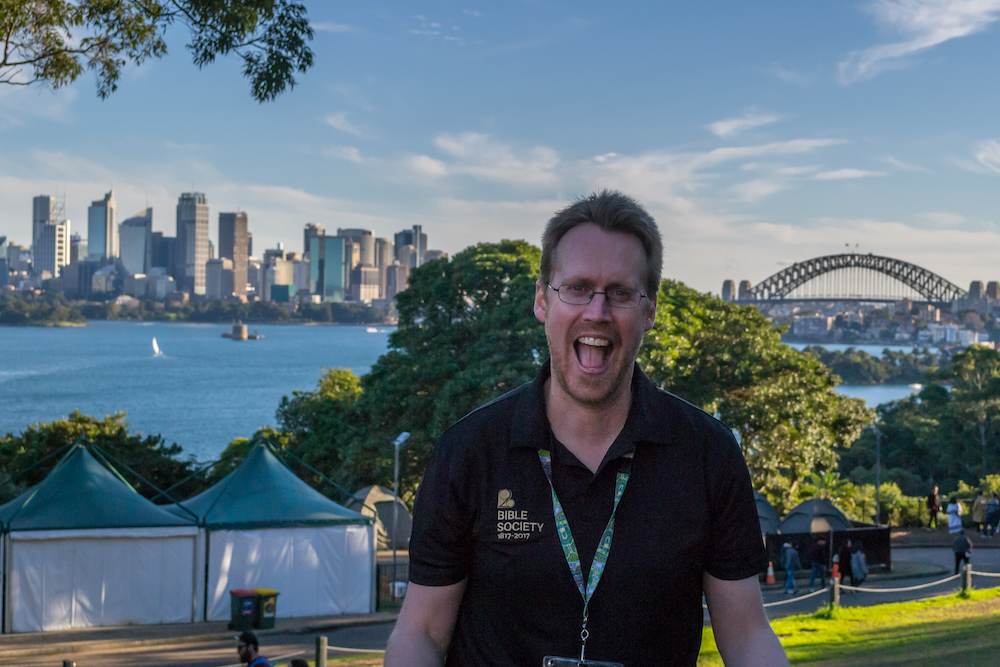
point(83, 549)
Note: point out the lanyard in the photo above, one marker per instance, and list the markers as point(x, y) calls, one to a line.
point(569, 544)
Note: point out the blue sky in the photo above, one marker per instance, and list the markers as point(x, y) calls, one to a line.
point(758, 134)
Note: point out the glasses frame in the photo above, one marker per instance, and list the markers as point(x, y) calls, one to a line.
point(594, 293)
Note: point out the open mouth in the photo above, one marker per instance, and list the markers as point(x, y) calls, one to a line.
point(592, 353)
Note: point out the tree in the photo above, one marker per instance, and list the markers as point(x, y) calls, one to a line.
point(729, 360)
point(150, 457)
point(50, 41)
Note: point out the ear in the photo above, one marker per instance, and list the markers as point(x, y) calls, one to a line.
point(650, 314)
point(541, 300)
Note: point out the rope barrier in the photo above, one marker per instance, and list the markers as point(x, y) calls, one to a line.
point(796, 599)
point(899, 590)
point(987, 574)
point(354, 650)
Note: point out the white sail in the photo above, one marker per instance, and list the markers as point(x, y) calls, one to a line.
point(156, 348)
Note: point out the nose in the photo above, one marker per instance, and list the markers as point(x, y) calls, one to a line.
point(598, 310)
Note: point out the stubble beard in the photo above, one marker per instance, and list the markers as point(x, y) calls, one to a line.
point(562, 368)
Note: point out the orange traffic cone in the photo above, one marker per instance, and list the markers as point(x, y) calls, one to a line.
point(770, 572)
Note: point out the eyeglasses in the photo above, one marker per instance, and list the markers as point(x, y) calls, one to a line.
point(581, 295)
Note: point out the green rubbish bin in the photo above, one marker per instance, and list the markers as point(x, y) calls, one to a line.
point(267, 608)
point(243, 609)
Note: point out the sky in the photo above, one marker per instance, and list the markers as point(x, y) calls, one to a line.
point(757, 134)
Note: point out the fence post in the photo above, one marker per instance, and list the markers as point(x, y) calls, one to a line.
point(321, 651)
point(966, 578)
point(835, 591)
point(69, 663)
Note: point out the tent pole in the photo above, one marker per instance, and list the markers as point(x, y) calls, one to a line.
point(207, 543)
point(6, 594)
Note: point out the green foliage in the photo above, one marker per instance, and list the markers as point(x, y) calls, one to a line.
point(938, 436)
point(730, 361)
point(150, 457)
point(54, 39)
point(30, 309)
point(857, 367)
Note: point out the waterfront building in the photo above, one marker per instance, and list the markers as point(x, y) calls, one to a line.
point(365, 238)
point(396, 276)
point(328, 268)
point(159, 283)
point(102, 227)
point(219, 278)
point(50, 251)
point(234, 245)
point(364, 284)
point(136, 285)
point(812, 325)
point(300, 276)
point(280, 272)
point(163, 252)
point(406, 255)
point(103, 280)
point(385, 254)
point(191, 246)
point(416, 238)
point(312, 230)
point(135, 237)
point(255, 282)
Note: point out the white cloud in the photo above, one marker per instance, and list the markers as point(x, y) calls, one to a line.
point(943, 218)
point(734, 126)
point(846, 174)
point(906, 166)
point(988, 154)
point(753, 191)
point(340, 122)
point(788, 76)
point(335, 28)
point(469, 12)
point(482, 157)
point(348, 153)
point(923, 24)
point(425, 165)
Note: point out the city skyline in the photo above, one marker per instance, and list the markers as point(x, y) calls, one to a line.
point(757, 136)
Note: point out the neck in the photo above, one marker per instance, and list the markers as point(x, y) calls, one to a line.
point(588, 431)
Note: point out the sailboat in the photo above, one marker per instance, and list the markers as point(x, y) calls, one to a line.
point(156, 349)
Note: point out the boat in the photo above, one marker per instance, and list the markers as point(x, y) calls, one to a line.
point(371, 330)
point(157, 352)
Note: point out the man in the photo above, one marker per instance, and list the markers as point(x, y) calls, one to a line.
point(818, 555)
point(583, 515)
point(790, 561)
point(248, 649)
point(932, 508)
point(962, 546)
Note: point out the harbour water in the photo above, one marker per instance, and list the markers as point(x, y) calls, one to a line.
point(201, 393)
point(204, 390)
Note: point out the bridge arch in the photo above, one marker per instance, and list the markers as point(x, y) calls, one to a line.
point(930, 286)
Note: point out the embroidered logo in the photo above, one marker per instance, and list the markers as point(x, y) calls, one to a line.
point(513, 524)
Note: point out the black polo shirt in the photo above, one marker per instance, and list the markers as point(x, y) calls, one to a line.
point(484, 514)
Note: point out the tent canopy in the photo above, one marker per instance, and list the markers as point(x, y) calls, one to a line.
point(80, 493)
point(814, 516)
point(377, 501)
point(263, 492)
point(766, 514)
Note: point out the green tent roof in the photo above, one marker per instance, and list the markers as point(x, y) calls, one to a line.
point(263, 492)
point(82, 493)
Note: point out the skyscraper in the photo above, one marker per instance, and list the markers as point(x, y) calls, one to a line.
point(234, 245)
point(50, 243)
point(365, 238)
point(313, 229)
point(384, 256)
point(102, 227)
point(327, 267)
point(416, 238)
point(136, 238)
point(191, 249)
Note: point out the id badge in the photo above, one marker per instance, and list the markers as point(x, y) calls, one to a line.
point(553, 661)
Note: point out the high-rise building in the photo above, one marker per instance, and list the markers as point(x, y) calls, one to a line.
point(77, 248)
point(135, 237)
point(191, 247)
point(234, 245)
point(406, 255)
point(102, 227)
point(416, 238)
point(384, 256)
point(219, 281)
point(396, 276)
point(313, 229)
point(42, 213)
point(365, 238)
point(728, 290)
point(327, 267)
point(50, 252)
point(163, 252)
point(364, 283)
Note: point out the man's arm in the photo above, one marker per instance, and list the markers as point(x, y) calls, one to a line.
point(742, 632)
point(423, 629)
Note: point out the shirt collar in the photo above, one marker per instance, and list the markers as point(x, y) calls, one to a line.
point(646, 420)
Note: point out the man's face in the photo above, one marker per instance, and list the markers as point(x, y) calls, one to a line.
point(244, 652)
point(593, 346)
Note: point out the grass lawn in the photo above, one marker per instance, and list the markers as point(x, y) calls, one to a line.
point(947, 630)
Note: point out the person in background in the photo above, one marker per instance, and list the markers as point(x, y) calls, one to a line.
point(790, 561)
point(954, 510)
point(298, 662)
point(979, 513)
point(962, 547)
point(846, 568)
point(992, 515)
point(248, 649)
point(859, 565)
point(932, 508)
point(818, 555)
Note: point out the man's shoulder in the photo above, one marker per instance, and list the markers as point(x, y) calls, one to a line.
point(686, 420)
point(490, 421)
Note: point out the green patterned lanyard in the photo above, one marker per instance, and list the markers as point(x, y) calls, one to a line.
point(569, 544)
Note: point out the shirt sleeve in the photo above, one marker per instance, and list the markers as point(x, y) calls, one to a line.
point(442, 535)
point(736, 548)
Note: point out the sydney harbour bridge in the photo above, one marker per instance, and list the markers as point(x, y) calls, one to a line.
point(855, 277)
